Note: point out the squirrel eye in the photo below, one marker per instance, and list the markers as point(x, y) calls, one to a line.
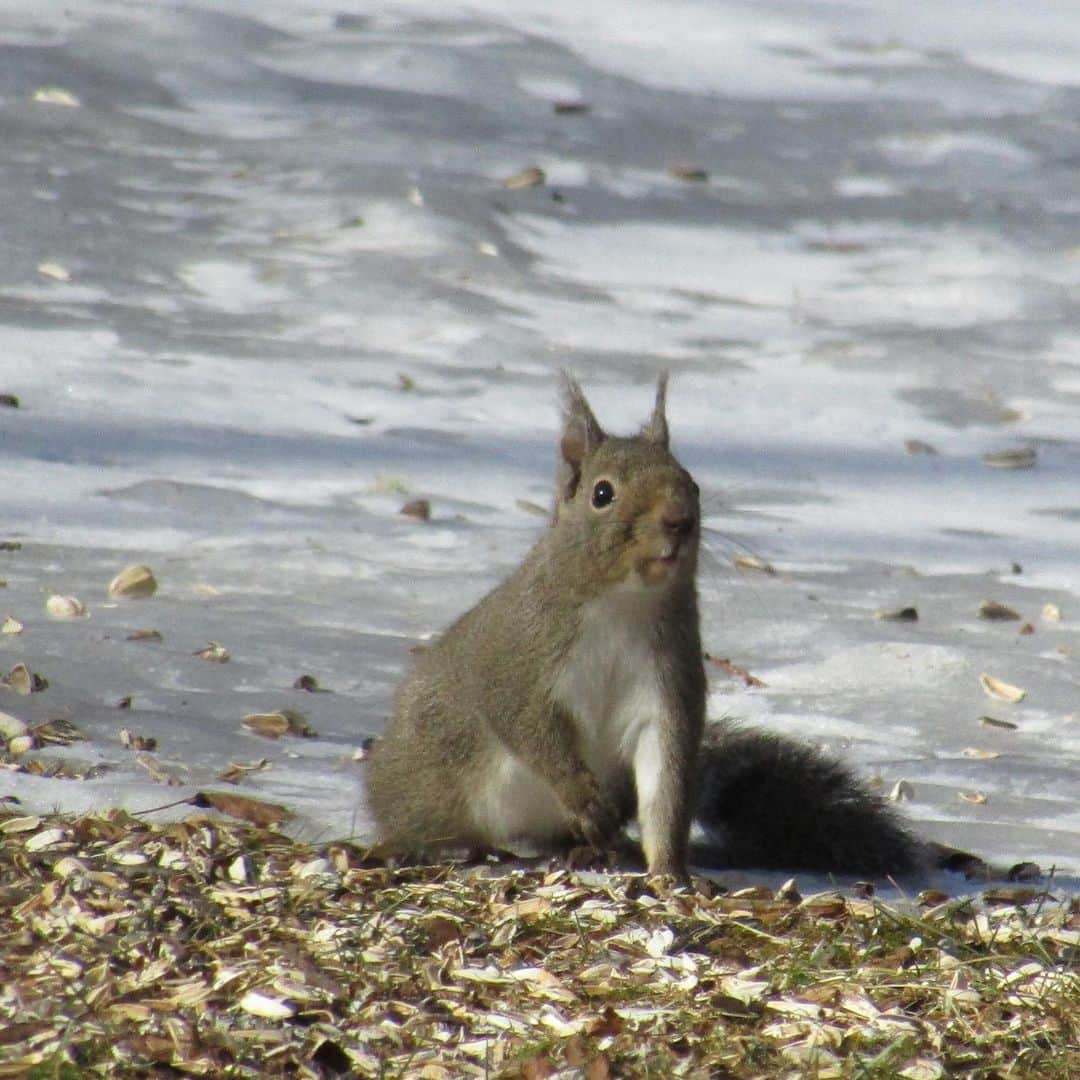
point(602, 494)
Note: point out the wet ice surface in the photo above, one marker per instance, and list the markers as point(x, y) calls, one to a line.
point(262, 284)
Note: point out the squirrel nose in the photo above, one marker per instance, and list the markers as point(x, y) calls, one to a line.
point(679, 523)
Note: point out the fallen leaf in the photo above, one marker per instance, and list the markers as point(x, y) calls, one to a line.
point(240, 806)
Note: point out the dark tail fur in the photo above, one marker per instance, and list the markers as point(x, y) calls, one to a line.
point(772, 802)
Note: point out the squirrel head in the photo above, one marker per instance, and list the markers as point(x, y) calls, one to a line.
point(625, 507)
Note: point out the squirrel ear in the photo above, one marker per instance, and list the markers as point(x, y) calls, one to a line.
point(656, 430)
point(581, 435)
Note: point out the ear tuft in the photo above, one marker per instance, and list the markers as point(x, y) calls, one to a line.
point(656, 430)
point(581, 435)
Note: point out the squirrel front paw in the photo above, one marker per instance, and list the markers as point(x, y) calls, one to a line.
point(597, 819)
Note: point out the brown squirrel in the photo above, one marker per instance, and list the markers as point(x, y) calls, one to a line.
point(571, 699)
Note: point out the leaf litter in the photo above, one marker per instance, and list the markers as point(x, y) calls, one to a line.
point(209, 947)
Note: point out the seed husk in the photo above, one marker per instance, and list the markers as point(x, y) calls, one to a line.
point(1022, 458)
point(533, 176)
point(917, 446)
point(995, 612)
point(215, 652)
point(994, 722)
point(46, 838)
point(1051, 613)
point(57, 732)
point(978, 798)
point(54, 270)
point(417, 508)
point(56, 95)
point(20, 744)
point(11, 726)
point(65, 607)
point(904, 614)
point(133, 741)
point(1003, 691)
point(273, 725)
point(754, 562)
point(11, 625)
point(684, 170)
point(980, 755)
point(532, 508)
point(20, 824)
point(133, 583)
point(237, 770)
point(267, 1008)
point(157, 773)
point(144, 635)
point(23, 681)
point(902, 791)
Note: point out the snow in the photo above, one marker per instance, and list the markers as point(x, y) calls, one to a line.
point(263, 284)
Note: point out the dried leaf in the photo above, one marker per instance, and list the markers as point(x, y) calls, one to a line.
point(240, 806)
point(144, 635)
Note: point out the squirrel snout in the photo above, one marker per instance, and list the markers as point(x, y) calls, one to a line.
point(679, 523)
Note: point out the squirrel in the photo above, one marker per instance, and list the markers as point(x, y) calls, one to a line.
point(571, 699)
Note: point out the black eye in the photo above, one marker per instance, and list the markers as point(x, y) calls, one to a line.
point(603, 493)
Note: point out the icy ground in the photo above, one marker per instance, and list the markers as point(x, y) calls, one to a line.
point(263, 283)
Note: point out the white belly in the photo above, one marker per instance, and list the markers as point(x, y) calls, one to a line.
point(610, 685)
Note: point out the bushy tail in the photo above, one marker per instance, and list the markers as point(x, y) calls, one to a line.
point(772, 802)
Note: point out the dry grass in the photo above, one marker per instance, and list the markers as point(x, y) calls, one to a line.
point(215, 948)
